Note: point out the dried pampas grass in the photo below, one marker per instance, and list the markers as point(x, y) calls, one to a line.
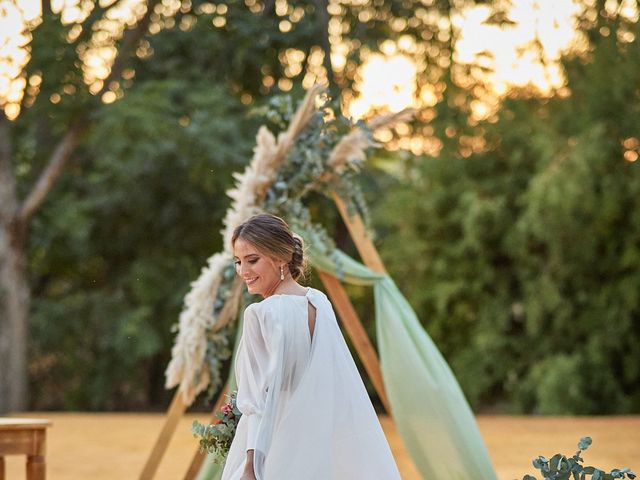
point(350, 152)
point(187, 366)
point(187, 354)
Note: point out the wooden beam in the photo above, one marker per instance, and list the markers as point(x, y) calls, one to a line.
point(198, 458)
point(357, 333)
point(176, 410)
point(358, 233)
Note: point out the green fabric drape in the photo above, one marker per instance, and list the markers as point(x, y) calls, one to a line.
point(209, 470)
point(429, 409)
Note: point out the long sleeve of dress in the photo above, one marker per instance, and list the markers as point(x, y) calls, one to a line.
point(251, 373)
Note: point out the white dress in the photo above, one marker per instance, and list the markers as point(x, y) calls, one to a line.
point(306, 412)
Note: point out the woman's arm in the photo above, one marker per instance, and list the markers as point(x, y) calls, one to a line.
point(248, 473)
point(251, 366)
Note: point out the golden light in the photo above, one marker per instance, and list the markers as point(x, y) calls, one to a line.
point(632, 149)
point(631, 156)
point(285, 26)
point(285, 84)
point(542, 29)
point(385, 82)
point(109, 96)
point(511, 54)
point(14, 58)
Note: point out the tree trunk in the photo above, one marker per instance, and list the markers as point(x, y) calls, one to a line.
point(322, 24)
point(14, 286)
point(14, 315)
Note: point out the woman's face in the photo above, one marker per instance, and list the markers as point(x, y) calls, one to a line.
point(260, 273)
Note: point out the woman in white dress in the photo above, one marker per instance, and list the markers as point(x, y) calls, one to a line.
point(306, 414)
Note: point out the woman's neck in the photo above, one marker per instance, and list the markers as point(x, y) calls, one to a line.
point(288, 286)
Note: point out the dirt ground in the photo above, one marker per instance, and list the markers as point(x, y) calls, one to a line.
point(108, 446)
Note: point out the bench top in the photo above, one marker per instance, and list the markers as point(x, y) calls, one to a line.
point(11, 423)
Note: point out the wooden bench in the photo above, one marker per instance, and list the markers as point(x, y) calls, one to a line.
point(24, 436)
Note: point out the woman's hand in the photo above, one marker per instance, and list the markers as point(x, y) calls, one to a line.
point(248, 473)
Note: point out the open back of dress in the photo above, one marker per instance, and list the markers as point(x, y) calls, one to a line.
point(306, 412)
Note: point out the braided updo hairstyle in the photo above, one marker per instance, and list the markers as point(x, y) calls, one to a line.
point(272, 236)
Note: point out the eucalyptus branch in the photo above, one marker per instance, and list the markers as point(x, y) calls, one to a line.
point(561, 467)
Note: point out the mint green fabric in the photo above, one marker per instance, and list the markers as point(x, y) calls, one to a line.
point(429, 408)
point(209, 470)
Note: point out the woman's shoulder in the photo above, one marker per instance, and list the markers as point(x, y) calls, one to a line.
point(270, 312)
point(280, 300)
point(260, 309)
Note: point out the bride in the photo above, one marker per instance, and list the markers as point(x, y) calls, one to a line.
point(306, 413)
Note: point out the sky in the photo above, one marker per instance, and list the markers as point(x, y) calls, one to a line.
point(513, 62)
point(388, 79)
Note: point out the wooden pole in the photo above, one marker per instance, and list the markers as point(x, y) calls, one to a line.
point(176, 410)
point(357, 333)
point(198, 458)
point(358, 233)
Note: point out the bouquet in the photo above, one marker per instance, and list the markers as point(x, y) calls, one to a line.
point(216, 438)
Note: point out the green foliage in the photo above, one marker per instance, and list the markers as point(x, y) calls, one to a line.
point(248, 44)
point(216, 438)
point(560, 467)
point(129, 223)
point(114, 250)
point(523, 259)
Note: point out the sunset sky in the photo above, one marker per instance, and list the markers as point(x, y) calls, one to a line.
point(513, 63)
point(388, 78)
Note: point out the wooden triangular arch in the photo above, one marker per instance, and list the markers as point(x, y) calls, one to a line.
point(349, 319)
point(339, 298)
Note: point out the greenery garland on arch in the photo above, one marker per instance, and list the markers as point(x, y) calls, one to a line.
point(307, 150)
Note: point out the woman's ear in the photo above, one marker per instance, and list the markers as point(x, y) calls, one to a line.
point(275, 262)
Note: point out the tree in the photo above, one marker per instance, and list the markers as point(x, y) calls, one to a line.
point(54, 68)
point(250, 49)
point(522, 257)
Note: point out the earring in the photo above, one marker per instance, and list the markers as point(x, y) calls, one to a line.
point(281, 272)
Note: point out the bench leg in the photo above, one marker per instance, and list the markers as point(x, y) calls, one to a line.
point(35, 467)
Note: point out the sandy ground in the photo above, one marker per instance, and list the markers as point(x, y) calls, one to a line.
point(108, 446)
